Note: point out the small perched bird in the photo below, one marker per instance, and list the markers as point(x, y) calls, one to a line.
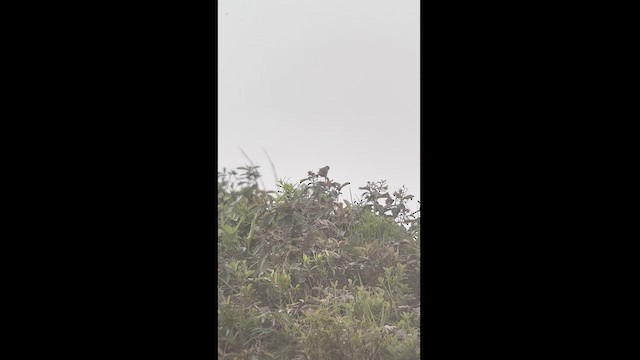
point(323, 172)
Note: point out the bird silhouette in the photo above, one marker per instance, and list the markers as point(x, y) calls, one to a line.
point(323, 172)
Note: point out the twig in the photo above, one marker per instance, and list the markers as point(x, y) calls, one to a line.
point(275, 174)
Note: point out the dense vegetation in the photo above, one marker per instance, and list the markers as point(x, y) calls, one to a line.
point(303, 275)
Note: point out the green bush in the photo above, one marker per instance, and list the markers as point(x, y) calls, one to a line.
point(304, 275)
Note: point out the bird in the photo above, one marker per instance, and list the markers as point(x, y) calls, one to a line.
point(323, 172)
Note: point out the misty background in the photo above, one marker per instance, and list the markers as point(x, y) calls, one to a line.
point(321, 82)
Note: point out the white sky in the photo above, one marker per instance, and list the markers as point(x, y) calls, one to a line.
point(321, 82)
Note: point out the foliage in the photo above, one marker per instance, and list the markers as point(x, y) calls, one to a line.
point(304, 275)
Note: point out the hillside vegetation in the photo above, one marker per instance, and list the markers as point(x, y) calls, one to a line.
point(305, 275)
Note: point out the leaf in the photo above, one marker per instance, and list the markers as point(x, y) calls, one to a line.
point(262, 264)
point(250, 236)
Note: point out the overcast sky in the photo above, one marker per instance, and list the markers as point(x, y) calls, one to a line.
point(321, 82)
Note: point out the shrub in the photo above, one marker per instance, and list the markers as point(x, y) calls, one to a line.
point(304, 275)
